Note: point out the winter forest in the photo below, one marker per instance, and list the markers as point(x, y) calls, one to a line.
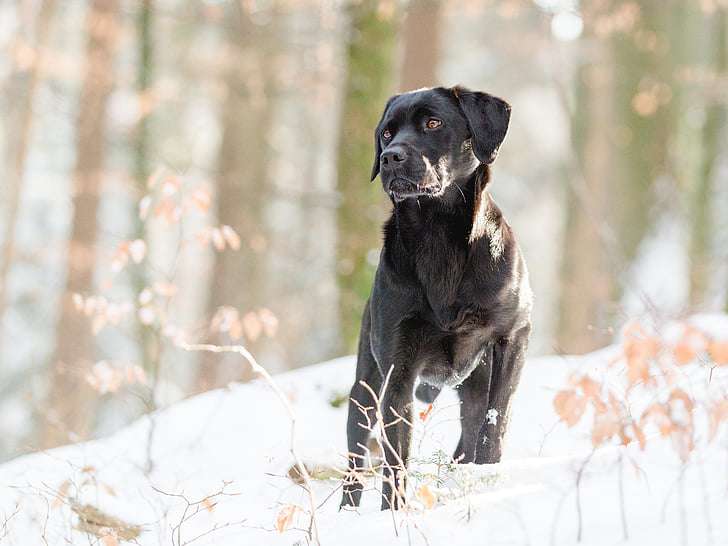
point(179, 177)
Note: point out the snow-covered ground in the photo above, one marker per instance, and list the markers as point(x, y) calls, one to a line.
point(237, 440)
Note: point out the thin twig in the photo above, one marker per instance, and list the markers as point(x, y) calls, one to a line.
point(260, 370)
point(622, 510)
point(579, 475)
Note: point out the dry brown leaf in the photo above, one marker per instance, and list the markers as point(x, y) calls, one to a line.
point(569, 406)
point(269, 321)
point(144, 205)
point(717, 415)
point(692, 342)
point(426, 496)
point(201, 199)
point(606, 425)
point(639, 344)
point(252, 325)
point(684, 353)
point(638, 369)
point(62, 494)
point(424, 414)
point(682, 396)
point(231, 237)
point(110, 540)
point(639, 435)
point(236, 329)
point(93, 521)
point(660, 416)
point(285, 517)
point(589, 387)
point(718, 351)
point(110, 490)
point(218, 240)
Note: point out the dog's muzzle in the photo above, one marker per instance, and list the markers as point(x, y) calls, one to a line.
point(401, 189)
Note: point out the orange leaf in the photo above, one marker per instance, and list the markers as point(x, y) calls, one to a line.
point(201, 199)
point(269, 321)
point(231, 237)
point(681, 395)
point(684, 353)
point(658, 413)
point(639, 435)
point(569, 406)
point(639, 349)
point(424, 414)
point(285, 517)
point(62, 493)
point(252, 325)
point(218, 240)
point(426, 496)
point(693, 341)
point(718, 351)
point(718, 413)
point(589, 387)
point(623, 436)
point(638, 344)
point(605, 426)
point(110, 540)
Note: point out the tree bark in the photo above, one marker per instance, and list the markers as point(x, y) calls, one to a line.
point(237, 278)
point(586, 281)
point(646, 95)
point(23, 86)
point(70, 399)
point(149, 340)
point(623, 138)
point(701, 224)
point(421, 45)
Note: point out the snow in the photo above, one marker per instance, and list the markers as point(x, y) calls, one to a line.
point(240, 436)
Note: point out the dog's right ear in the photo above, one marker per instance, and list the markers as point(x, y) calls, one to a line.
point(488, 118)
point(377, 144)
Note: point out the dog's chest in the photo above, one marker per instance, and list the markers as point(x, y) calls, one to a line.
point(442, 273)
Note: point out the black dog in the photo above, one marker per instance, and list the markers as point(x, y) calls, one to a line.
point(451, 301)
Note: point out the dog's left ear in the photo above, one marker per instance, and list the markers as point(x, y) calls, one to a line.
point(488, 118)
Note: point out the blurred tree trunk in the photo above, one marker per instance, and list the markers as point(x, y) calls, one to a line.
point(21, 95)
point(586, 279)
point(370, 59)
point(701, 225)
point(149, 342)
point(301, 208)
point(237, 279)
point(623, 138)
point(70, 399)
point(421, 44)
point(646, 94)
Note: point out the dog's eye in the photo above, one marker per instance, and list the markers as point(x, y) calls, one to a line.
point(386, 134)
point(433, 123)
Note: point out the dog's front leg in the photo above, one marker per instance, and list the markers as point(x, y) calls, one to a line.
point(474, 395)
point(362, 414)
point(508, 359)
point(396, 406)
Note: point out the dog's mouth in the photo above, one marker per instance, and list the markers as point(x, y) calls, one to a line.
point(402, 188)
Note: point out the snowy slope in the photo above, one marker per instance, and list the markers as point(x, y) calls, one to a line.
point(241, 435)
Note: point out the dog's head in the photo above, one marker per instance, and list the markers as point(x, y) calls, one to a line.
point(429, 138)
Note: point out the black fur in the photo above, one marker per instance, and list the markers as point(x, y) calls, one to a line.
point(450, 305)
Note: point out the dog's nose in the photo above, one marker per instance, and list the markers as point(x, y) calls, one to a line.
point(393, 155)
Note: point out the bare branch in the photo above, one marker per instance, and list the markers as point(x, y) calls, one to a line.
point(260, 370)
